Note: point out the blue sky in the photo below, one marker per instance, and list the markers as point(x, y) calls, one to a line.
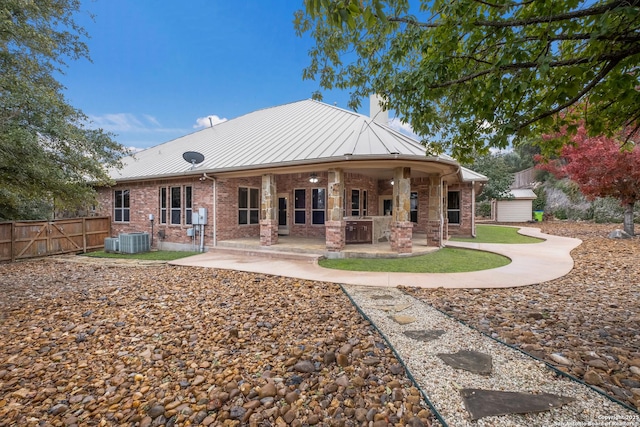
point(160, 68)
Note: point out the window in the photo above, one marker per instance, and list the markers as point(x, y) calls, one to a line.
point(355, 202)
point(364, 203)
point(299, 207)
point(188, 205)
point(172, 201)
point(248, 205)
point(163, 205)
point(318, 196)
point(121, 208)
point(414, 207)
point(453, 207)
point(175, 206)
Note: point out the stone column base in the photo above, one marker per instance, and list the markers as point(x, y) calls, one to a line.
point(335, 235)
point(268, 232)
point(401, 237)
point(433, 233)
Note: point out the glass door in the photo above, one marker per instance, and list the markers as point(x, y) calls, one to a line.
point(283, 214)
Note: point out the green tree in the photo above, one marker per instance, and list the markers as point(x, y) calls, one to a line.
point(494, 167)
point(47, 152)
point(475, 74)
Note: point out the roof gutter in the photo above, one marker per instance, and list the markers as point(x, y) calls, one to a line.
point(346, 158)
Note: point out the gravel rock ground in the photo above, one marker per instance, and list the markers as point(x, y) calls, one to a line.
point(401, 318)
point(586, 323)
point(161, 345)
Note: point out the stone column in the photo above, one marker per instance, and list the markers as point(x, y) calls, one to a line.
point(401, 227)
point(335, 224)
point(435, 214)
point(268, 211)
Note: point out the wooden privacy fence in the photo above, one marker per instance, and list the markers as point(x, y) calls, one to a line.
point(28, 239)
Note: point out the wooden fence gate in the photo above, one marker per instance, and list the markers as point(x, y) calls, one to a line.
point(29, 239)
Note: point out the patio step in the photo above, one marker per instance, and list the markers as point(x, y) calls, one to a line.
point(267, 253)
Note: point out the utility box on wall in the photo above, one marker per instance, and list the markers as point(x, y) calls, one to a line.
point(200, 217)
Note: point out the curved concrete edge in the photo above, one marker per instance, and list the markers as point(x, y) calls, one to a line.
point(530, 264)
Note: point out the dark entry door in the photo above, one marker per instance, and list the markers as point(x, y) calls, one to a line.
point(283, 214)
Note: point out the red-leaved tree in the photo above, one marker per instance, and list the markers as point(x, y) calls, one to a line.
point(602, 167)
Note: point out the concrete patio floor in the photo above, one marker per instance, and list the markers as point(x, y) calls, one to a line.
point(530, 264)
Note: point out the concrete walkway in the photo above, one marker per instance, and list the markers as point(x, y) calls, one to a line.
point(531, 263)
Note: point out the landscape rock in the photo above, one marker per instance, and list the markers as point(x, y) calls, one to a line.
point(584, 316)
point(87, 343)
point(619, 234)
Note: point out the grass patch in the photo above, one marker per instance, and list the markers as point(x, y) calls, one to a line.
point(497, 234)
point(146, 256)
point(445, 260)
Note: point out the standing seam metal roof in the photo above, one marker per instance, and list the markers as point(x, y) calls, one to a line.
point(295, 133)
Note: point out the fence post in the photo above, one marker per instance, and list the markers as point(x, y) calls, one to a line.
point(84, 235)
point(13, 238)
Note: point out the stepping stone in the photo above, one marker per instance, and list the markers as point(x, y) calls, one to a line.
point(425, 335)
point(486, 403)
point(396, 308)
point(403, 320)
point(385, 297)
point(472, 361)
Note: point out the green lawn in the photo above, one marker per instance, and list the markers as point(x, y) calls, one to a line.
point(445, 260)
point(497, 234)
point(147, 256)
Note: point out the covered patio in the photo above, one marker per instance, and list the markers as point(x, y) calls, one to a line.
point(316, 246)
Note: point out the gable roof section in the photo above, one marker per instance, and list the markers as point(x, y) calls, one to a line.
point(522, 194)
point(303, 132)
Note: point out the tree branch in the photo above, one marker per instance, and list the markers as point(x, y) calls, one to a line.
point(614, 57)
point(413, 22)
point(596, 10)
point(486, 3)
point(601, 75)
point(591, 11)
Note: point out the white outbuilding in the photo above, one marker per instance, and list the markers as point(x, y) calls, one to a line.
point(517, 208)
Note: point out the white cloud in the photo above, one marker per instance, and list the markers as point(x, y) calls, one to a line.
point(404, 128)
point(152, 120)
point(118, 122)
point(205, 122)
point(126, 122)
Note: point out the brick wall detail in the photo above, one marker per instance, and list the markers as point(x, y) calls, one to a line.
point(335, 235)
point(268, 232)
point(144, 200)
point(401, 237)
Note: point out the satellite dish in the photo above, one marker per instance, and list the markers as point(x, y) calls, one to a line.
point(193, 157)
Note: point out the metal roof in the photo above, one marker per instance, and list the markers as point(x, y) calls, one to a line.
point(303, 132)
point(522, 194)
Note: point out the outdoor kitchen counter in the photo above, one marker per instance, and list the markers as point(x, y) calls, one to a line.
point(367, 229)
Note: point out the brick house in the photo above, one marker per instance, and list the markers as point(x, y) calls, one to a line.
point(304, 169)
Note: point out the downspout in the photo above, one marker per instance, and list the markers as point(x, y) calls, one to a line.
point(441, 230)
point(214, 189)
point(473, 208)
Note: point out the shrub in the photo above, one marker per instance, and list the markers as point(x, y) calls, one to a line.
point(483, 209)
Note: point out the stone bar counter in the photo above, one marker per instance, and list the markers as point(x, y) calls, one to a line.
point(367, 229)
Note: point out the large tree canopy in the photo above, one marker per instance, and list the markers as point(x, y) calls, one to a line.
point(46, 151)
point(472, 74)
